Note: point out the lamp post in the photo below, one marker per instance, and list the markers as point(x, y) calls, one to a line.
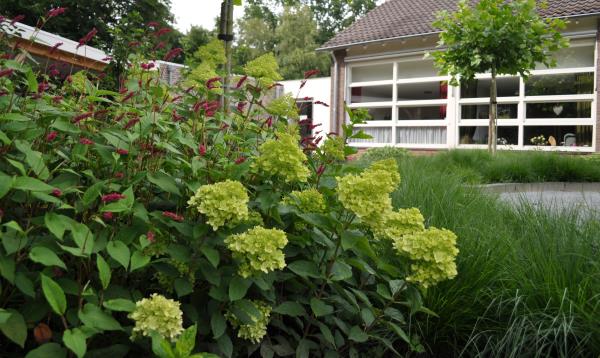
point(226, 35)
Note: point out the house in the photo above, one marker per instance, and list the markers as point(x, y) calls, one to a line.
point(379, 64)
point(312, 99)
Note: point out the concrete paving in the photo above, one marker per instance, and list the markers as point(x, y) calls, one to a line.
point(553, 196)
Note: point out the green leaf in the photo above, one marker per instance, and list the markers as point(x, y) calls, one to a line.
point(320, 308)
point(48, 350)
point(238, 288)
point(15, 328)
point(54, 295)
point(367, 316)
point(164, 182)
point(7, 267)
point(326, 332)
point(211, 254)
point(103, 271)
point(57, 224)
point(138, 260)
point(6, 184)
point(186, 342)
point(83, 237)
point(341, 271)
point(183, 287)
point(14, 117)
point(46, 257)
point(34, 159)
point(396, 285)
point(119, 251)
point(217, 324)
point(225, 345)
point(304, 269)
point(120, 304)
point(400, 332)
point(31, 80)
point(290, 308)
point(31, 184)
point(4, 315)
point(75, 340)
point(92, 193)
point(358, 335)
point(93, 317)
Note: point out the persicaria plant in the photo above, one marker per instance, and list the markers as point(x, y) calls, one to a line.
point(159, 224)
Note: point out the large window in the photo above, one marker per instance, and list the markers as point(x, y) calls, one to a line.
point(411, 104)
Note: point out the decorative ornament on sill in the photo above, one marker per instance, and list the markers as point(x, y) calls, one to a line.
point(557, 110)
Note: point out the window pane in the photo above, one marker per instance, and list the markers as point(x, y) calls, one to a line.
point(421, 91)
point(380, 114)
point(372, 94)
point(566, 136)
point(373, 73)
point(581, 56)
point(421, 135)
point(413, 69)
point(571, 83)
point(482, 111)
point(426, 113)
point(559, 110)
point(507, 135)
point(380, 135)
point(480, 88)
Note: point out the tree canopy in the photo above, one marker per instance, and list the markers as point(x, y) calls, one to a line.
point(497, 37)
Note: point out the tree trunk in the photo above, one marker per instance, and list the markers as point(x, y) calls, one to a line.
point(492, 128)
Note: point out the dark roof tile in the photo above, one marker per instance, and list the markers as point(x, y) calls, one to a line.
point(405, 18)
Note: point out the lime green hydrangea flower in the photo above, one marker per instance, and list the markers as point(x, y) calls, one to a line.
point(264, 69)
point(282, 157)
point(333, 147)
point(157, 314)
point(434, 254)
point(224, 202)
point(258, 250)
point(396, 224)
point(308, 201)
point(255, 331)
point(368, 194)
point(283, 106)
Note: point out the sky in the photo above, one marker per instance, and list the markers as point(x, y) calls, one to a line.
point(199, 13)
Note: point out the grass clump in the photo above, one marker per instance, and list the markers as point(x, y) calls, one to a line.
point(528, 280)
point(478, 166)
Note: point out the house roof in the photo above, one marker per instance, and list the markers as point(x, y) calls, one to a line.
point(408, 18)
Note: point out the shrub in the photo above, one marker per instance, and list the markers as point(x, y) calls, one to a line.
point(138, 213)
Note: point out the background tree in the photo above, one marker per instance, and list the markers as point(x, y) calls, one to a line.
point(196, 37)
point(496, 37)
point(331, 16)
point(82, 16)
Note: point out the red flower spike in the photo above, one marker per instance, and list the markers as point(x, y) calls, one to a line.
point(86, 141)
point(55, 47)
point(173, 216)
point(302, 84)
point(81, 117)
point(56, 192)
point(321, 170)
point(172, 54)
point(57, 99)
point(112, 197)
point(176, 99)
point(162, 31)
point(241, 106)
point(107, 216)
point(17, 18)
point(119, 175)
point(55, 12)
point(121, 151)
point(87, 37)
point(150, 236)
point(311, 73)
point(322, 103)
point(128, 97)
point(202, 150)
point(241, 82)
point(107, 58)
point(51, 136)
point(153, 24)
point(6, 72)
point(210, 84)
point(240, 160)
point(131, 123)
point(160, 45)
point(269, 122)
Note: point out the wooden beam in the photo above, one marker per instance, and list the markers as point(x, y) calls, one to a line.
point(59, 55)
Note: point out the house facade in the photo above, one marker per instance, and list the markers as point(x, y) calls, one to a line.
point(380, 64)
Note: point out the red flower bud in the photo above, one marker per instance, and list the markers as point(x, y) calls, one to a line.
point(86, 141)
point(150, 236)
point(202, 150)
point(107, 216)
point(112, 197)
point(51, 136)
point(320, 170)
point(87, 37)
point(119, 175)
point(309, 74)
point(122, 151)
point(173, 216)
point(240, 160)
point(6, 72)
point(56, 192)
point(55, 12)
point(241, 82)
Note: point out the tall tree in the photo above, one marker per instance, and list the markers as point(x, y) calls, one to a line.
point(496, 37)
point(82, 16)
point(331, 16)
point(196, 37)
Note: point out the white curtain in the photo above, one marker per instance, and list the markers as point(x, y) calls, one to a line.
point(421, 135)
point(380, 135)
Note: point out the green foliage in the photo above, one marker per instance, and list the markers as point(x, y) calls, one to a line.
point(528, 277)
point(127, 216)
point(495, 36)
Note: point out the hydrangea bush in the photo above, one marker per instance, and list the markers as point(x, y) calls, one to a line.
point(148, 221)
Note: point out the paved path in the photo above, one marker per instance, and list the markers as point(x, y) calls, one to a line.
point(554, 196)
